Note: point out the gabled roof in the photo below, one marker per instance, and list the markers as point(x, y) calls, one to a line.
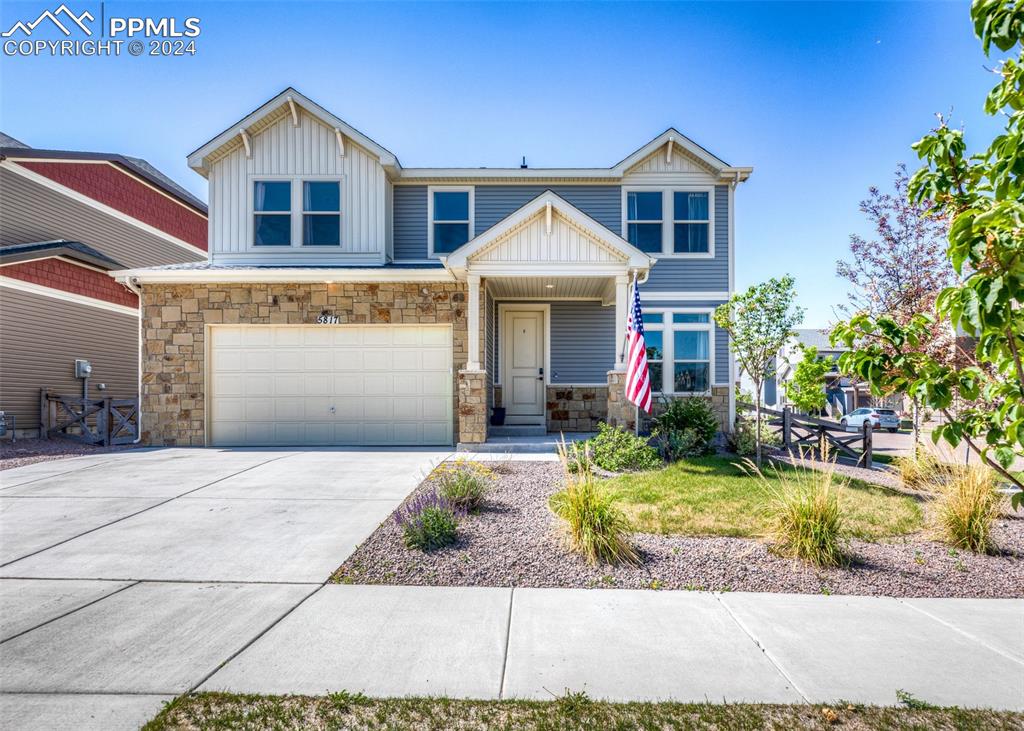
point(605, 237)
point(197, 159)
point(68, 249)
point(671, 135)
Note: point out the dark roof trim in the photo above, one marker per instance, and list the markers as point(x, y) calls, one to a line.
point(70, 249)
point(138, 167)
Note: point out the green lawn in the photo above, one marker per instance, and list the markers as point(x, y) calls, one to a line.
point(713, 496)
point(565, 713)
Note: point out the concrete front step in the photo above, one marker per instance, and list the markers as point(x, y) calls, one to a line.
point(546, 443)
point(517, 430)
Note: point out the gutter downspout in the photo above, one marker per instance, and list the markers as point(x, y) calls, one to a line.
point(134, 287)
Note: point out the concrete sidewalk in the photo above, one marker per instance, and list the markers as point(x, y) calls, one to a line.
point(121, 651)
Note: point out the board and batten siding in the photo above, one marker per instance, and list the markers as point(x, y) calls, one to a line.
point(310, 149)
point(698, 275)
point(42, 336)
point(492, 203)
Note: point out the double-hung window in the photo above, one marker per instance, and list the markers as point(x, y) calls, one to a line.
point(679, 347)
point(644, 220)
point(272, 213)
point(691, 216)
point(670, 221)
point(451, 219)
point(296, 212)
point(321, 213)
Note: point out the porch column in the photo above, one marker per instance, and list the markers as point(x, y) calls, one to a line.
point(621, 303)
point(473, 323)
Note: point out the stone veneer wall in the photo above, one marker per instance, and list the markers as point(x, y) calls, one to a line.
point(576, 408)
point(174, 335)
point(472, 424)
point(719, 404)
point(622, 413)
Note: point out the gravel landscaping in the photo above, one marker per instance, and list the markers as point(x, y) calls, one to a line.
point(514, 540)
point(29, 451)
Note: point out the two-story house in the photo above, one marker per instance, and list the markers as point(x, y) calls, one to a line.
point(348, 300)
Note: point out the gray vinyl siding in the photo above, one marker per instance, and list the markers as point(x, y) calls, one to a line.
point(721, 336)
point(492, 203)
point(39, 341)
point(410, 224)
point(582, 342)
point(32, 212)
point(699, 275)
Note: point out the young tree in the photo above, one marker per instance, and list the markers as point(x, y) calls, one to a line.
point(759, 322)
point(807, 388)
point(983, 196)
point(901, 270)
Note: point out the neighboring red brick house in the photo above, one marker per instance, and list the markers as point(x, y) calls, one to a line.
point(68, 218)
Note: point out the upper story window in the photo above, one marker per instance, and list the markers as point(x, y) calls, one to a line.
point(679, 349)
point(321, 217)
point(692, 222)
point(644, 219)
point(451, 219)
point(272, 206)
point(296, 212)
point(670, 221)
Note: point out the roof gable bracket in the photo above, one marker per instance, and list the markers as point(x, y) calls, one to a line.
point(247, 141)
point(547, 218)
point(668, 149)
point(341, 142)
point(295, 112)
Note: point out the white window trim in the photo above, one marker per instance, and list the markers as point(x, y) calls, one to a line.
point(296, 212)
point(669, 219)
point(668, 345)
point(431, 189)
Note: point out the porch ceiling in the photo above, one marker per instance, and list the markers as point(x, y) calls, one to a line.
point(553, 287)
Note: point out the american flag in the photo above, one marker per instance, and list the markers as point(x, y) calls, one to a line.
point(638, 381)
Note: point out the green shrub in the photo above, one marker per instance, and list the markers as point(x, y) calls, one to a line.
point(428, 522)
point(687, 427)
point(968, 504)
point(741, 441)
point(597, 528)
point(803, 514)
point(464, 483)
point(617, 450)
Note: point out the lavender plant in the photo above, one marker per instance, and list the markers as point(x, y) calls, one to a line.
point(429, 521)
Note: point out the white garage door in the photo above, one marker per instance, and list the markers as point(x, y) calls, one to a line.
point(331, 385)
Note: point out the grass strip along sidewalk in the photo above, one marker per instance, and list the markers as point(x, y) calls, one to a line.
point(571, 711)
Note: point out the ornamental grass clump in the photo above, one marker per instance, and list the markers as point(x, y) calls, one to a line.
point(464, 483)
point(597, 528)
point(918, 471)
point(429, 521)
point(804, 519)
point(967, 505)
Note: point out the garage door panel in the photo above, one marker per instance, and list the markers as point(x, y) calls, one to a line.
point(331, 385)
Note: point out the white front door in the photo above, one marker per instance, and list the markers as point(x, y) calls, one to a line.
point(522, 373)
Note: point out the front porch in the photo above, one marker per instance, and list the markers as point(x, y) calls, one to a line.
point(547, 292)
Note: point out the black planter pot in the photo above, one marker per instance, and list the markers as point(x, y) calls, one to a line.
point(497, 415)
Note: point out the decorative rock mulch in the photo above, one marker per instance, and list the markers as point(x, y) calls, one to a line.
point(30, 451)
point(515, 540)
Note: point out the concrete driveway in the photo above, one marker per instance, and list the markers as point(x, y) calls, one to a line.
point(126, 578)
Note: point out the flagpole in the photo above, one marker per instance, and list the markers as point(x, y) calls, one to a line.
point(636, 407)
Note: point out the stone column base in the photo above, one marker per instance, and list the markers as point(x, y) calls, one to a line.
point(472, 407)
point(621, 413)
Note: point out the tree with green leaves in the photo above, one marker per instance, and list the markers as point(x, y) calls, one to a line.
point(760, 321)
point(982, 195)
point(806, 390)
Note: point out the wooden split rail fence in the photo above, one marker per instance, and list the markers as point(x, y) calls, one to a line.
point(821, 435)
point(105, 421)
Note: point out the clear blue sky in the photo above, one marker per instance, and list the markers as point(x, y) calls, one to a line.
point(823, 100)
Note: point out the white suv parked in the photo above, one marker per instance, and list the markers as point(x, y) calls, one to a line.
point(879, 418)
